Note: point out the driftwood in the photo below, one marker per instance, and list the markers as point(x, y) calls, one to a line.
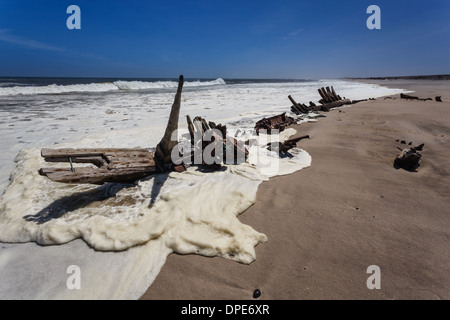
point(279, 122)
point(408, 97)
point(438, 99)
point(112, 165)
point(164, 148)
point(409, 159)
point(115, 165)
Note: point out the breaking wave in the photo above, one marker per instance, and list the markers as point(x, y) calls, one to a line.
point(102, 87)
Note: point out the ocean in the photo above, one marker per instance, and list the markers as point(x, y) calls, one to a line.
point(120, 235)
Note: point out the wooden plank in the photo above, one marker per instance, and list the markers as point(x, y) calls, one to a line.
point(91, 152)
point(328, 106)
point(97, 161)
point(330, 94)
point(96, 176)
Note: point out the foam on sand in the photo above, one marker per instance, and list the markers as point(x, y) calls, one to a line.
point(191, 212)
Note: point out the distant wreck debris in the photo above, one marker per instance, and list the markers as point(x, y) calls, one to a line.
point(409, 159)
point(329, 100)
point(408, 97)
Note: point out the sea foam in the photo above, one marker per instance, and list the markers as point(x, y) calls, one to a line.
point(190, 212)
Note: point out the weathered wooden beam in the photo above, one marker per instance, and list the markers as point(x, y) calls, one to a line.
point(408, 97)
point(335, 104)
point(298, 107)
point(286, 145)
point(324, 95)
point(113, 165)
point(164, 148)
point(330, 94)
point(335, 95)
point(205, 125)
point(96, 175)
point(198, 125)
point(97, 161)
point(190, 128)
point(86, 152)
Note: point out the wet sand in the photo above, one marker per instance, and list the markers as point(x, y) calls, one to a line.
point(351, 209)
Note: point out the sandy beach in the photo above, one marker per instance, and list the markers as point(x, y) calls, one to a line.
point(351, 209)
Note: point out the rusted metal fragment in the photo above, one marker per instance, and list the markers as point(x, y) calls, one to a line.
point(278, 122)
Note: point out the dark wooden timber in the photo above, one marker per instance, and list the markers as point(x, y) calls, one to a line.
point(286, 145)
point(408, 97)
point(329, 99)
point(164, 148)
point(111, 165)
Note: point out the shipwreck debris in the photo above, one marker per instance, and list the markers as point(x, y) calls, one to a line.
point(408, 97)
point(409, 159)
point(218, 139)
point(278, 122)
point(329, 99)
point(286, 145)
point(112, 165)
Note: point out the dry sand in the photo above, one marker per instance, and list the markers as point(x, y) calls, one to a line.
point(351, 209)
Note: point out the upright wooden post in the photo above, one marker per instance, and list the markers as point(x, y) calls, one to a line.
point(164, 148)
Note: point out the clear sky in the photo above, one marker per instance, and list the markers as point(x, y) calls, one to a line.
point(224, 38)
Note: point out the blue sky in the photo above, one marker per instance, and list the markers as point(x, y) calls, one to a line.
point(228, 39)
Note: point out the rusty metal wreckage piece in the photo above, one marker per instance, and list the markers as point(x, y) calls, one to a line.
point(278, 122)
